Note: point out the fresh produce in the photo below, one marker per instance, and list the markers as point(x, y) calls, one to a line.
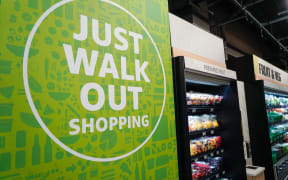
point(272, 100)
point(203, 144)
point(201, 169)
point(202, 99)
point(205, 121)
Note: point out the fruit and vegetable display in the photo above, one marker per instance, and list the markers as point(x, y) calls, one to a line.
point(272, 100)
point(194, 98)
point(279, 139)
point(278, 151)
point(204, 144)
point(278, 134)
point(278, 125)
point(274, 116)
point(205, 121)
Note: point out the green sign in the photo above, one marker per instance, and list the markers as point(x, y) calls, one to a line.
point(86, 90)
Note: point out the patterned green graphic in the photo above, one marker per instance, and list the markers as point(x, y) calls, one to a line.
point(53, 83)
point(26, 152)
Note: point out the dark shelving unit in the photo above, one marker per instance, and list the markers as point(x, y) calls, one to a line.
point(228, 117)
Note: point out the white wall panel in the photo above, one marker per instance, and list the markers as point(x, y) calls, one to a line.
point(190, 38)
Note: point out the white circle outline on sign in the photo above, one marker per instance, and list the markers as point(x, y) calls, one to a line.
point(31, 103)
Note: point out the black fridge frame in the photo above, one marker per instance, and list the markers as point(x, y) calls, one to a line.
point(233, 145)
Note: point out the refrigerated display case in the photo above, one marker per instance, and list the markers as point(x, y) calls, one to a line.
point(266, 89)
point(208, 121)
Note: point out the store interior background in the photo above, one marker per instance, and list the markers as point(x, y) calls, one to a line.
point(247, 26)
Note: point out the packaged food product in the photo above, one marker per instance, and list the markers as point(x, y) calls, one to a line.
point(218, 99)
point(206, 121)
point(218, 141)
point(200, 142)
point(193, 149)
point(191, 123)
point(274, 100)
point(212, 100)
point(201, 169)
point(279, 110)
point(274, 116)
point(215, 162)
point(203, 99)
point(196, 123)
point(194, 98)
point(210, 124)
point(203, 144)
point(212, 143)
point(214, 121)
point(198, 146)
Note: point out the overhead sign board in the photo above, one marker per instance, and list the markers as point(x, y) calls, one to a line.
point(268, 72)
point(200, 66)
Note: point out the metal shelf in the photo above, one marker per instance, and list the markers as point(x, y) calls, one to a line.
point(276, 106)
point(211, 153)
point(198, 109)
point(203, 132)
